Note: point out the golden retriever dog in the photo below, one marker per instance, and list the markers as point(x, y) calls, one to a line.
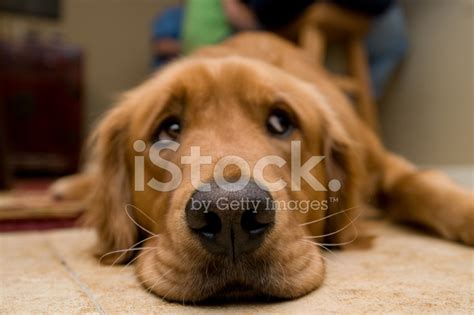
point(225, 174)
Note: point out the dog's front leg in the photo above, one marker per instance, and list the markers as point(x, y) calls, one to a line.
point(73, 187)
point(428, 198)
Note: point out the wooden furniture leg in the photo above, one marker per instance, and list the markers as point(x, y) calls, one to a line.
point(359, 68)
point(324, 22)
point(314, 42)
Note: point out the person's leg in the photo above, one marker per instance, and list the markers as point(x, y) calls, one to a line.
point(386, 44)
point(166, 33)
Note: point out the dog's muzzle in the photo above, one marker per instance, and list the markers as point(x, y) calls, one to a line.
point(231, 223)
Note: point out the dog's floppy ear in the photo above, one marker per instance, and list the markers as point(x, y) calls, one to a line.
point(342, 173)
point(111, 193)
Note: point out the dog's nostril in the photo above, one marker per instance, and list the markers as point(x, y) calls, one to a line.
point(251, 224)
point(212, 226)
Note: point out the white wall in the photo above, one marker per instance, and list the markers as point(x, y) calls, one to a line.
point(428, 115)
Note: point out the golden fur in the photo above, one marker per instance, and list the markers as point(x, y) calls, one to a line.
point(223, 94)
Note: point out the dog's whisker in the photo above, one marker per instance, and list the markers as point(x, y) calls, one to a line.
point(133, 260)
point(334, 244)
point(144, 274)
point(316, 272)
point(144, 213)
point(351, 222)
point(187, 285)
point(327, 259)
point(137, 256)
point(144, 240)
point(137, 243)
point(318, 244)
point(152, 270)
point(337, 244)
point(334, 260)
point(328, 216)
point(283, 274)
point(135, 222)
point(122, 251)
point(335, 257)
point(169, 290)
point(159, 280)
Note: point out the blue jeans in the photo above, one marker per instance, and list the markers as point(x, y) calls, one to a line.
point(387, 43)
point(167, 25)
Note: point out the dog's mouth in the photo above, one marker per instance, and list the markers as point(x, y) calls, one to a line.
point(213, 282)
point(192, 279)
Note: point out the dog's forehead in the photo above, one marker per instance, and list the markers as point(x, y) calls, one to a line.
point(226, 77)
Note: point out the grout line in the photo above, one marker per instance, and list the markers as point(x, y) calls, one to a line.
point(83, 286)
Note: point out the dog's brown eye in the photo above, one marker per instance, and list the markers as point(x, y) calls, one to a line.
point(279, 122)
point(169, 129)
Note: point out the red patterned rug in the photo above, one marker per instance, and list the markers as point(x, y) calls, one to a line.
point(28, 207)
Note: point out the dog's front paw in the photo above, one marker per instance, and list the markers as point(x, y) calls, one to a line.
point(458, 225)
point(466, 230)
point(74, 187)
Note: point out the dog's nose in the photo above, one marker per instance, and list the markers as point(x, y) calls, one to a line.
point(231, 222)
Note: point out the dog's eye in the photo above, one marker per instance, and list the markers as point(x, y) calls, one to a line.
point(169, 129)
point(279, 122)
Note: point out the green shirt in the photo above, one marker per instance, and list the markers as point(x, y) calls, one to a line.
point(205, 23)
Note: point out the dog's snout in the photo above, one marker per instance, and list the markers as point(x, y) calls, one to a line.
point(229, 222)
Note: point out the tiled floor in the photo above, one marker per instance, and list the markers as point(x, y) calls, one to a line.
point(404, 272)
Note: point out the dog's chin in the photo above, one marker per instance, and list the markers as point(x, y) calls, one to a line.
point(217, 281)
point(238, 293)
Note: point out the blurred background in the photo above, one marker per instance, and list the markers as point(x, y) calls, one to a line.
point(63, 63)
